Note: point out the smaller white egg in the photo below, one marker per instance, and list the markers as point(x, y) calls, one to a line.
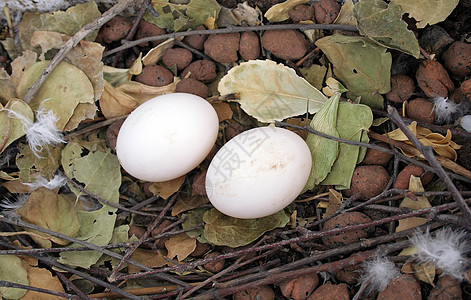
point(258, 172)
point(167, 136)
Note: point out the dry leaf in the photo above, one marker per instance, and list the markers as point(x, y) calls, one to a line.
point(150, 258)
point(188, 203)
point(335, 202)
point(156, 53)
point(427, 11)
point(345, 16)
point(114, 103)
point(223, 111)
point(279, 12)
point(42, 278)
point(142, 92)
point(167, 188)
point(180, 246)
point(415, 185)
point(269, 91)
point(424, 272)
point(442, 145)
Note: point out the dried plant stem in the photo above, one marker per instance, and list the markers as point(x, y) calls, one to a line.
point(53, 263)
point(133, 30)
point(175, 35)
point(129, 252)
point(371, 146)
point(95, 126)
point(72, 42)
point(309, 235)
point(427, 151)
point(104, 201)
point(4, 283)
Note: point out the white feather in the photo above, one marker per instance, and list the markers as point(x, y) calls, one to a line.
point(447, 250)
point(445, 110)
point(41, 132)
point(379, 272)
point(11, 205)
point(55, 183)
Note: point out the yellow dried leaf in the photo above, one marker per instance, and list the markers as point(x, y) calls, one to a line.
point(335, 201)
point(136, 67)
point(114, 103)
point(425, 272)
point(167, 188)
point(442, 145)
point(345, 16)
point(415, 185)
point(150, 258)
point(180, 246)
point(156, 53)
point(142, 92)
point(279, 12)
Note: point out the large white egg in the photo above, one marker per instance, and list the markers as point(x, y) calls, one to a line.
point(167, 136)
point(258, 172)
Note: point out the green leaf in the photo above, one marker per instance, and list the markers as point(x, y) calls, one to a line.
point(180, 17)
point(353, 121)
point(193, 218)
point(100, 174)
point(314, 75)
point(66, 87)
point(323, 151)
point(427, 11)
point(361, 65)
point(223, 230)
point(49, 210)
point(12, 128)
point(66, 22)
point(383, 23)
point(269, 91)
point(11, 269)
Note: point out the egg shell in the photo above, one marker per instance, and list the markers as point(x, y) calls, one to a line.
point(167, 136)
point(258, 172)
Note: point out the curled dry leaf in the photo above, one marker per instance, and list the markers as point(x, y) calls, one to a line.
point(121, 100)
point(442, 145)
point(279, 12)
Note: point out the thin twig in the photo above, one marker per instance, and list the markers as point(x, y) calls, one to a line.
point(130, 251)
point(4, 283)
point(309, 235)
point(427, 151)
point(175, 35)
point(72, 42)
point(53, 263)
point(104, 201)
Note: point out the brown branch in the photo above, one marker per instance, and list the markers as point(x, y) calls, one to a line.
point(427, 151)
point(103, 200)
point(309, 235)
point(4, 283)
point(72, 42)
point(232, 29)
point(149, 230)
point(133, 30)
point(52, 262)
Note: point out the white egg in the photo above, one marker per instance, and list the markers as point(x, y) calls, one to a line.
point(167, 136)
point(258, 172)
